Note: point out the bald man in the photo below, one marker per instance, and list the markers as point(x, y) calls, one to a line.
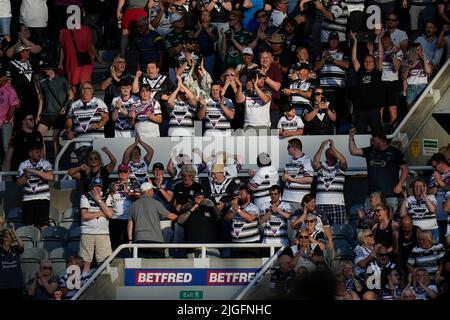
point(407, 240)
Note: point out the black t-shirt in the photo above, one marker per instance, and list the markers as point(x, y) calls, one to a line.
point(219, 193)
point(320, 124)
point(202, 226)
point(24, 82)
point(383, 169)
point(114, 88)
point(183, 194)
point(162, 85)
point(370, 87)
point(21, 141)
point(405, 246)
point(103, 173)
point(10, 270)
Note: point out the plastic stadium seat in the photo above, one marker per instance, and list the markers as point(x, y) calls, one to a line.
point(58, 258)
point(59, 233)
point(30, 262)
point(15, 215)
point(70, 213)
point(55, 215)
point(30, 235)
point(49, 244)
point(343, 231)
point(354, 210)
point(343, 250)
point(73, 240)
point(69, 223)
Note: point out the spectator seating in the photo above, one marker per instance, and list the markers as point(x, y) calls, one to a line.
point(54, 217)
point(30, 236)
point(15, 215)
point(30, 261)
point(58, 258)
point(343, 231)
point(73, 239)
point(52, 238)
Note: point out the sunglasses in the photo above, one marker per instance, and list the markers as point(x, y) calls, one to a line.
point(47, 268)
point(229, 75)
point(393, 20)
point(87, 88)
point(319, 93)
point(310, 221)
point(29, 119)
point(369, 236)
point(262, 16)
point(303, 237)
point(383, 254)
point(93, 159)
point(123, 171)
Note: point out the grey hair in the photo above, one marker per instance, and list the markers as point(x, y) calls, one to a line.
point(45, 262)
point(188, 170)
point(311, 216)
point(362, 235)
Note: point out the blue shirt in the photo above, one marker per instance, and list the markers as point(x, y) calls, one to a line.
point(158, 196)
point(431, 52)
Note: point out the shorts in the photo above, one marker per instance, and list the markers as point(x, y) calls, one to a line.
point(36, 212)
point(55, 121)
point(391, 93)
point(413, 92)
point(98, 244)
point(131, 16)
point(5, 28)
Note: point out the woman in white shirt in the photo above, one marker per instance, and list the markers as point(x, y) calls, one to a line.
point(5, 19)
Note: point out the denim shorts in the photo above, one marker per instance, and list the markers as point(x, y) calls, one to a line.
point(414, 92)
point(5, 26)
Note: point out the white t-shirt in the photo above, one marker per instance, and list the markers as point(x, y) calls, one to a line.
point(93, 226)
point(34, 13)
point(256, 112)
point(144, 125)
point(388, 72)
point(276, 18)
point(297, 168)
point(5, 9)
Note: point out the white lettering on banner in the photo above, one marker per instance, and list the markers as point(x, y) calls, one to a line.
point(374, 21)
point(74, 280)
point(163, 277)
point(230, 277)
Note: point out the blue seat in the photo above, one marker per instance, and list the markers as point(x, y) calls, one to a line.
point(343, 231)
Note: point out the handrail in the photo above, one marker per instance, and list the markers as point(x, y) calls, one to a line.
point(419, 100)
point(136, 246)
point(66, 145)
point(261, 272)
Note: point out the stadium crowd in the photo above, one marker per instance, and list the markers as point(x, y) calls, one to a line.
point(283, 68)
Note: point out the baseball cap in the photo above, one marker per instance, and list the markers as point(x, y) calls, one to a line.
point(147, 186)
point(158, 165)
point(124, 167)
point(48, 65)
point(218, 167)
point(303, 66)
point(198, 193)
point(96, 182)
point(20, 47)
point(248, 51)
point(333, 35)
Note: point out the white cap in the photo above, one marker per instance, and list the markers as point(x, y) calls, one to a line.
point(247, 51)
point(147, 186)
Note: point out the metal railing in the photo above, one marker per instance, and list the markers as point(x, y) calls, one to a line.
point(106, 264)
point(260, 274)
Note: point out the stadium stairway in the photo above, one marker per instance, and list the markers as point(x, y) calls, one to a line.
point(426, 128)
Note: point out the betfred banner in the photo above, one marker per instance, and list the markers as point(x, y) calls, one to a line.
point(189, 277)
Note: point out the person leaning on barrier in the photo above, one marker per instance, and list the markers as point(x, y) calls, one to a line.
point(144, 221)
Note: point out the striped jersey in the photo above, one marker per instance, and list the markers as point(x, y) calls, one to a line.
point(419, 213)
point(388, 72)
point(303, 85)
point(297, 168)
point(122, 126)
point(427, 258)
point(330, 184)
point(332, 76)
point(275, 229)
point(36, 187)
point(139, 171)
point(231, 169)
point(339, 10)
point(86, 114)
point(242, 231)
point(182, 114)
point(264, 178)
point(290, 125)
point(215, 117)
point(440, 195)
point(142, 109)
point(120, 201)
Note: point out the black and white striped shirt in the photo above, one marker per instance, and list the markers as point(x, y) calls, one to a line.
point(297, 168)
point(36, 187)
point(332, 76)
point(339, 10)
point(86, 114)
point(122, 126)
point(139, 171)
point(215, 116)
point(419, 213)
point(182, 114)
point(330, 184)
point(275, 229)
point(242, 231)
point(264, 178)
point(427, 258)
